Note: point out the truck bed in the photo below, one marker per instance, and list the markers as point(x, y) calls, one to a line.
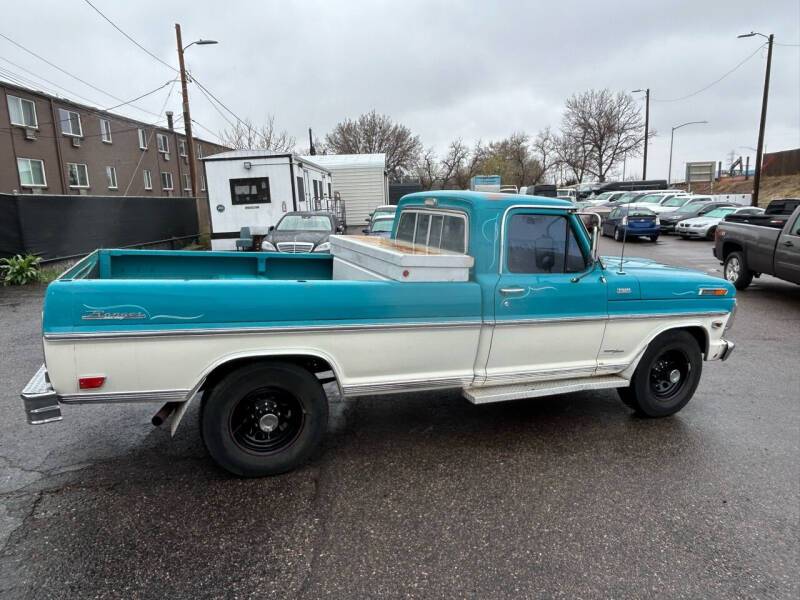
point(193, 265)
point(149, 290)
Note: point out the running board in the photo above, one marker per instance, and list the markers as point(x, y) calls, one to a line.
point(501, 393)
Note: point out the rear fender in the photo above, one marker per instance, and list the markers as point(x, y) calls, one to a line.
point(199, 388)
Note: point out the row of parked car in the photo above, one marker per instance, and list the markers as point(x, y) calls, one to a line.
point(652, 213)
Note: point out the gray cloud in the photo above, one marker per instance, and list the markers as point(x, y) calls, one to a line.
point(446, 69)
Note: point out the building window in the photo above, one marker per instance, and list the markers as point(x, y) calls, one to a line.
point(22, 112)
point(142, 139)
point(166, 181)
point(70, 122)
point(253, 190)
point(163, 142)
point(78, 175)
point(148, 179)
point(182, 148)
point(105, 131)
point(202, 183)
point(31, 172)
point(199, 150)
point(111, 176)
point(187, 183)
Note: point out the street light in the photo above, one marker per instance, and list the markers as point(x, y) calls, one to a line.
point(763, 122)
point(646, 127)
point(203, 220)
point(671, 139)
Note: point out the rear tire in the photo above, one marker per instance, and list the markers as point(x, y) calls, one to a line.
point(617, 235)
point(264, 419)
point(654, 238)
point(736, 271)
point(666, 377)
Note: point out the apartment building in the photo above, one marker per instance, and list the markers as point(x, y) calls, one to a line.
point(49, 145)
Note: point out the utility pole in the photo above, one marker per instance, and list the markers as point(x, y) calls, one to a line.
point(646, 128)
point(762, 124)
point(203, 218)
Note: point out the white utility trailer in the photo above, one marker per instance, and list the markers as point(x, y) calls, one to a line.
point(361, 181)
point(255, 188)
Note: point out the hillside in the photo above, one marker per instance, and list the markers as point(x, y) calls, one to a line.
point(784, 186)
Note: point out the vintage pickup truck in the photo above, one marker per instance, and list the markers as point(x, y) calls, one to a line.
point(499, 295)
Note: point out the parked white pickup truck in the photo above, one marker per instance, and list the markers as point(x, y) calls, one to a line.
point(499, 295)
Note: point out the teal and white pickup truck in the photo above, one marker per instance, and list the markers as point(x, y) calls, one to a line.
point(499, 295)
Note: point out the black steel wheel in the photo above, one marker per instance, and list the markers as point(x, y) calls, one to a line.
point(264, 419)
point(667, 375)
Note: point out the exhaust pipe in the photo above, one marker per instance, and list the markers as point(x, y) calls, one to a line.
point(162, 415)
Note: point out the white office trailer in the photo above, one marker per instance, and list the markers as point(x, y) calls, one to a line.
point(255, 188)
point(360, 179)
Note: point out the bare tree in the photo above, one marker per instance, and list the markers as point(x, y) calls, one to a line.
point(511, 158)
point(245, 135)
point(453, 163)
point(427, 169)
point(544, 151)
point(374, 133)
point(606, 125)
point(572, 154)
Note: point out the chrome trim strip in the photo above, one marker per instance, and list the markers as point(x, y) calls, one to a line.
point(259, 330)
point(361, 327)
point(120, 397)
point(362, 389)
point(714, 313)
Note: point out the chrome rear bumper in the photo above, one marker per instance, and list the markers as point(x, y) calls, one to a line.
point(40, 399)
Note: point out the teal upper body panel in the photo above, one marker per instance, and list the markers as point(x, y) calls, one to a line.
point(144, 290)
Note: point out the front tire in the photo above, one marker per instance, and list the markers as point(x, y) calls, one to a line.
point(617, 235)
point(666, 377)
point(736, 271)
point(654, 238)
point(264, 419)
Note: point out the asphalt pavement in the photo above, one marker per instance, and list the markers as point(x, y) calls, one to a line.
point(425, 495)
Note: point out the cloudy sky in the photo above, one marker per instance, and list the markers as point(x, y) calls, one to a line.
point(475, 70)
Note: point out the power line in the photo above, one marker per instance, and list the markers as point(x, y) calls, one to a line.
point(215, 107)
point(86, 83)
point(716, 81)
point(137, 44)
point(202, 87)
point(102, 112)
point(157, 58)
point(54, 84)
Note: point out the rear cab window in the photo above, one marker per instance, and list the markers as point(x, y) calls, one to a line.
point(443, 230)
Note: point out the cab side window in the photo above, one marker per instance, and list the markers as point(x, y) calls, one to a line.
point(543, 244)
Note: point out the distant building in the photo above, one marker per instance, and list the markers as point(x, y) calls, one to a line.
point(49, 145)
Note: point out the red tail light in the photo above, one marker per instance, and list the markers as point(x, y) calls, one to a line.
point(91, 383)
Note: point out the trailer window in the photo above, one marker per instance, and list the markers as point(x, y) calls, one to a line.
point(253, 190)
point(444, 231)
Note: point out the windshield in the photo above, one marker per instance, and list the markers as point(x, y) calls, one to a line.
point(718, 213)
point(384, 210)
point(382, 225)
point(628, 198)
point(676, 201)
point(305, 223)
point(690, 207)
point(651, 199)
point(638, 212)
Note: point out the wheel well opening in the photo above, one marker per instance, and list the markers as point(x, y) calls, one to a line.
point(729, 247)
point(313, 364)
point(699, 334)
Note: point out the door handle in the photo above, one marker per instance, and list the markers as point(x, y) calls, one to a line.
point(512, 290)
point(788, 243)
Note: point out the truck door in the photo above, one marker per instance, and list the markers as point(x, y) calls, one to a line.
point(550, 301)
point(787, 251)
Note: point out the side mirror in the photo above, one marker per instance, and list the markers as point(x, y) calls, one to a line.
point(365, 230)
point(593, 227)
point(271, 228)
